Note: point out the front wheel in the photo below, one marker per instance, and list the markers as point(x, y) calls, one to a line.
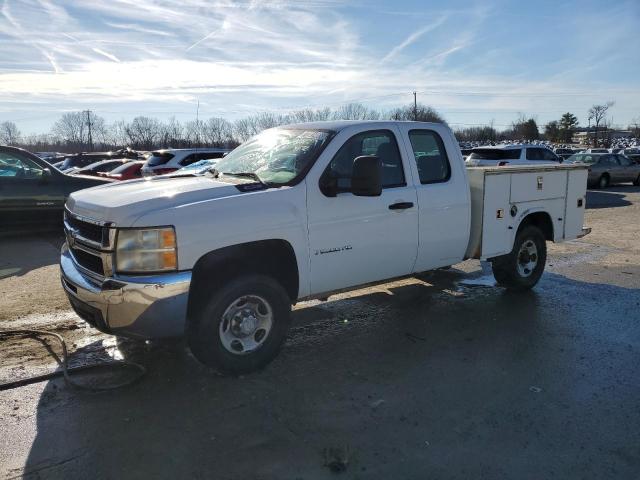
point(242, 326)
point(522, 268)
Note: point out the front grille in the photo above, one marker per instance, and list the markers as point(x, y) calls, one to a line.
point(86, 230)
point(88, 261)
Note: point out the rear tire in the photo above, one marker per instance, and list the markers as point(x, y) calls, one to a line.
point(242, 326)
point(522, 268)
point(603, 182)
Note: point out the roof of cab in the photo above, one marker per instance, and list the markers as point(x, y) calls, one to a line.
point(337, 125)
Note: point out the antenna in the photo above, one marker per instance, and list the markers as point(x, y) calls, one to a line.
point(90, 139)
point(415, 106)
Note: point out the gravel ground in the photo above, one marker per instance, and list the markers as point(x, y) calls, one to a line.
point(441, 376)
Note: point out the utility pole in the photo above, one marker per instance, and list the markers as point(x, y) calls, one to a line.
point(415, 106)
point(198, 124)
point(90, 139)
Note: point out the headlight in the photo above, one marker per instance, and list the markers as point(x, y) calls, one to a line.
point(146, 250)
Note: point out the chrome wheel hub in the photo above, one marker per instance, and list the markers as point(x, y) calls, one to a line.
point(245, 324)
point(527, 258)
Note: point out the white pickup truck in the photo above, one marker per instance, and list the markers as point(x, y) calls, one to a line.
point(300, 212)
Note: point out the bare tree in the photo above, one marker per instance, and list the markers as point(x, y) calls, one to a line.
point(309, 115)
point(634, 126)
point(355, 111)
point(9, 133)
point(172, 133)
point(597, 113)
point(194, 132)
point(419, 112)
point(71, 128)
point(117, 134)
point(217, 132)
point(143, 132)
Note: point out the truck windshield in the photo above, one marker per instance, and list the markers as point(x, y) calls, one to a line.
point(277, 156)
point(495, 154)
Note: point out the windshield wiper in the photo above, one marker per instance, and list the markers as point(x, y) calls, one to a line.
point(212, 171)
point(251, 175)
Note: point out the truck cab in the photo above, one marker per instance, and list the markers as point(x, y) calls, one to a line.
point(299, 212)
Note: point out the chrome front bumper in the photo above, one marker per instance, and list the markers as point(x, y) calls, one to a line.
point(152, 306)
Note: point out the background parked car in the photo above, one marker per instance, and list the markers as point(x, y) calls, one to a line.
point(81, 160)
point(101, 166)
point(170, 160)
point(608, 168)
point(563, 153)
point(510, 155)
point(33, 192)
point(126, 171)
point(632, 153)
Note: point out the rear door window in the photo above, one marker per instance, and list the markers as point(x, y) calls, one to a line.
point(549, 155)
point(607, 160)
point(430, 156)
point(624, 161)
point(535, 154)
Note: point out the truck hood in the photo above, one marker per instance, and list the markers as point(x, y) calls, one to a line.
point(124, 202)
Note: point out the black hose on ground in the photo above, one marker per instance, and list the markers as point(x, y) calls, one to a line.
point(66, 370)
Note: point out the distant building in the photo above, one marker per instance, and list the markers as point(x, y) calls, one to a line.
point(586, 135)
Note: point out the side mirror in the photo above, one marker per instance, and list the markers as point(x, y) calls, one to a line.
point(365, 181)
point(367, 176)
point(46, 175)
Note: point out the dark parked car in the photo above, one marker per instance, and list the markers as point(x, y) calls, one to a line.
point(33, 192)
point(81, 160)
point(103, 166)
point(608, 168)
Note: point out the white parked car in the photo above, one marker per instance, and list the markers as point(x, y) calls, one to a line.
point(172, 159)
point(300, 212)
point(500, 155)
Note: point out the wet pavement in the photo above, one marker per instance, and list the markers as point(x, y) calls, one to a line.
point(442, 376)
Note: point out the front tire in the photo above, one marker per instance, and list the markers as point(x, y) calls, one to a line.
point(522, 268)
point(637, 181)
point(242, 326)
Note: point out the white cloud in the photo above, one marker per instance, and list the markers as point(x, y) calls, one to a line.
point(236, 57)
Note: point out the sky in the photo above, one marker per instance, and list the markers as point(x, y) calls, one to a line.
point(476, 62)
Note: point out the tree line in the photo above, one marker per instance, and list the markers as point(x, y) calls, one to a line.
point(84, 131)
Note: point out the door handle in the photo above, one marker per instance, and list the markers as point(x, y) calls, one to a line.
point(401, 206)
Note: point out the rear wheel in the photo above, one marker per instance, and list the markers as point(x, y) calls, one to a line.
point(603, 182)
point(522, 268)
point(242, 326)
